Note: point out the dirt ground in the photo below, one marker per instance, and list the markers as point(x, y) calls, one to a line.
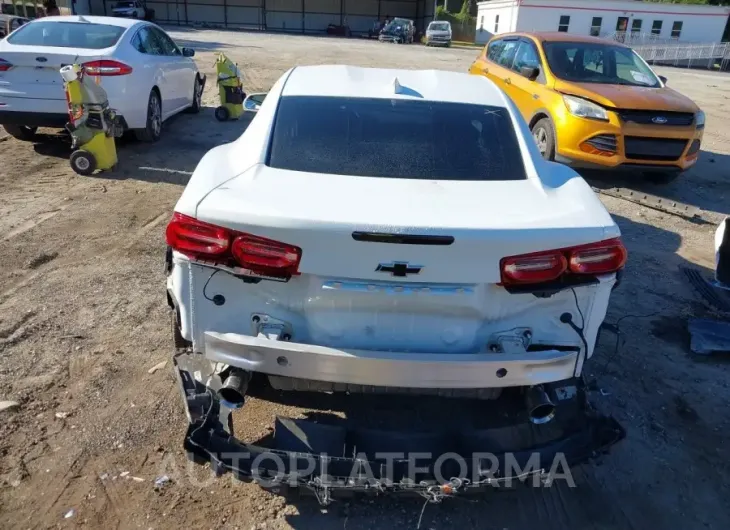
point(83, 320)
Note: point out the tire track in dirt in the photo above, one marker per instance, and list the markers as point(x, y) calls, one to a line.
point(24, 281)
point(32, 223)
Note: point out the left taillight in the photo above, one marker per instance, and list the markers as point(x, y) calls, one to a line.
point(106, 67)
point(197, 239)
point(211, 243)
point(533, 268)
point(603, 257)
point(265, 256)
point(4, 65)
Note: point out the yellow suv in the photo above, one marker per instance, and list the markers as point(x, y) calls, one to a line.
point(592, 103)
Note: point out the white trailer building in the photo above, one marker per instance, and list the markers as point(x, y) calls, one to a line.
point(633, 18)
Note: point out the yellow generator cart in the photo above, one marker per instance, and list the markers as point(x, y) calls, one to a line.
point(230, 89)
point(92, 124)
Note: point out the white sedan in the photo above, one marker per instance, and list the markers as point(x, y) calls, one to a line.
point(147, 77)
point(389, 230)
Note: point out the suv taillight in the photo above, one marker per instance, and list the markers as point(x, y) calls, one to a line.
point(106, 67)
point(210, 243)
point(603, 257)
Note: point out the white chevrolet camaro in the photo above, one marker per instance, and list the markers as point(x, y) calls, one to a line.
point(388, 230)
point(146, 76)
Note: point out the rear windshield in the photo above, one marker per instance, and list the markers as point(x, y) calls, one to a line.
point(124, 4)
point(395, 139)
point(67, 35)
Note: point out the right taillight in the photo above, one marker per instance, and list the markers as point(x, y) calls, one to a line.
point(597, 258)
point(603, 257)
point(207, 242)
point(106, 67)
point(5, 65)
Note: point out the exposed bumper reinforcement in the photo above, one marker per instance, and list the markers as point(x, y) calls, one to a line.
point(392, 369)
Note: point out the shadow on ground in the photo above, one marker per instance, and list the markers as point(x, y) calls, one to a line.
point(703, 186)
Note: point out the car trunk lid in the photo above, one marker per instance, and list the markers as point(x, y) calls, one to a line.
point(406, 265)
point(35, 70)
point(383, 229)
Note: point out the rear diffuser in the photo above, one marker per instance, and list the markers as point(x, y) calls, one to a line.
point(334, 459)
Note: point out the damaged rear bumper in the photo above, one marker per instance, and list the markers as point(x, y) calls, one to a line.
point(328, 457)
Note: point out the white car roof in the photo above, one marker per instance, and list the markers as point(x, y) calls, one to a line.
point(358, 82)
point(109, 21)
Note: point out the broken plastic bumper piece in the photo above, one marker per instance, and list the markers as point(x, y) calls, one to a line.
point(327, 458)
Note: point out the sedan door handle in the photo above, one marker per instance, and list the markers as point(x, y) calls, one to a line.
point(485, 70)
point(508, 80)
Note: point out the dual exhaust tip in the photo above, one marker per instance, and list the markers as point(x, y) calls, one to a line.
point(540, 408)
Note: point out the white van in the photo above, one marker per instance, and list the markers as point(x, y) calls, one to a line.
point(438, 33)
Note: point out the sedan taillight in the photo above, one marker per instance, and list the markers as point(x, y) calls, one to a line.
point(5, 65)
point(592, 259)
point(206, 242)
point(106, 67)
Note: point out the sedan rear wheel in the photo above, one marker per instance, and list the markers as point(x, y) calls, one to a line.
point(197, 97)
point(153, 130)
point(21, 132)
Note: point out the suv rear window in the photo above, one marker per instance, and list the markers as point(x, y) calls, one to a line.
point(395, 138)
point(67, 35)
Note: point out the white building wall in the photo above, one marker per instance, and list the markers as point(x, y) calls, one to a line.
point(499, 15)
point(699, 23)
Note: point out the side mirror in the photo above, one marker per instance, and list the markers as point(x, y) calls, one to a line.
point(530, 72)
point(663, 79)
point(253, 102)
point(188, 52)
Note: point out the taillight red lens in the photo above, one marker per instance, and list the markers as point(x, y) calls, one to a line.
point(267, 257)
point(207, 242)
point(5, 65)
point(603, 257)
point(106, 67)
point(533, 268)
point(197, 239)
point(598, 258)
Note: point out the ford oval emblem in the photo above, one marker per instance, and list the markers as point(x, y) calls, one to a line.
point(41, 59)
point(659, 120)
